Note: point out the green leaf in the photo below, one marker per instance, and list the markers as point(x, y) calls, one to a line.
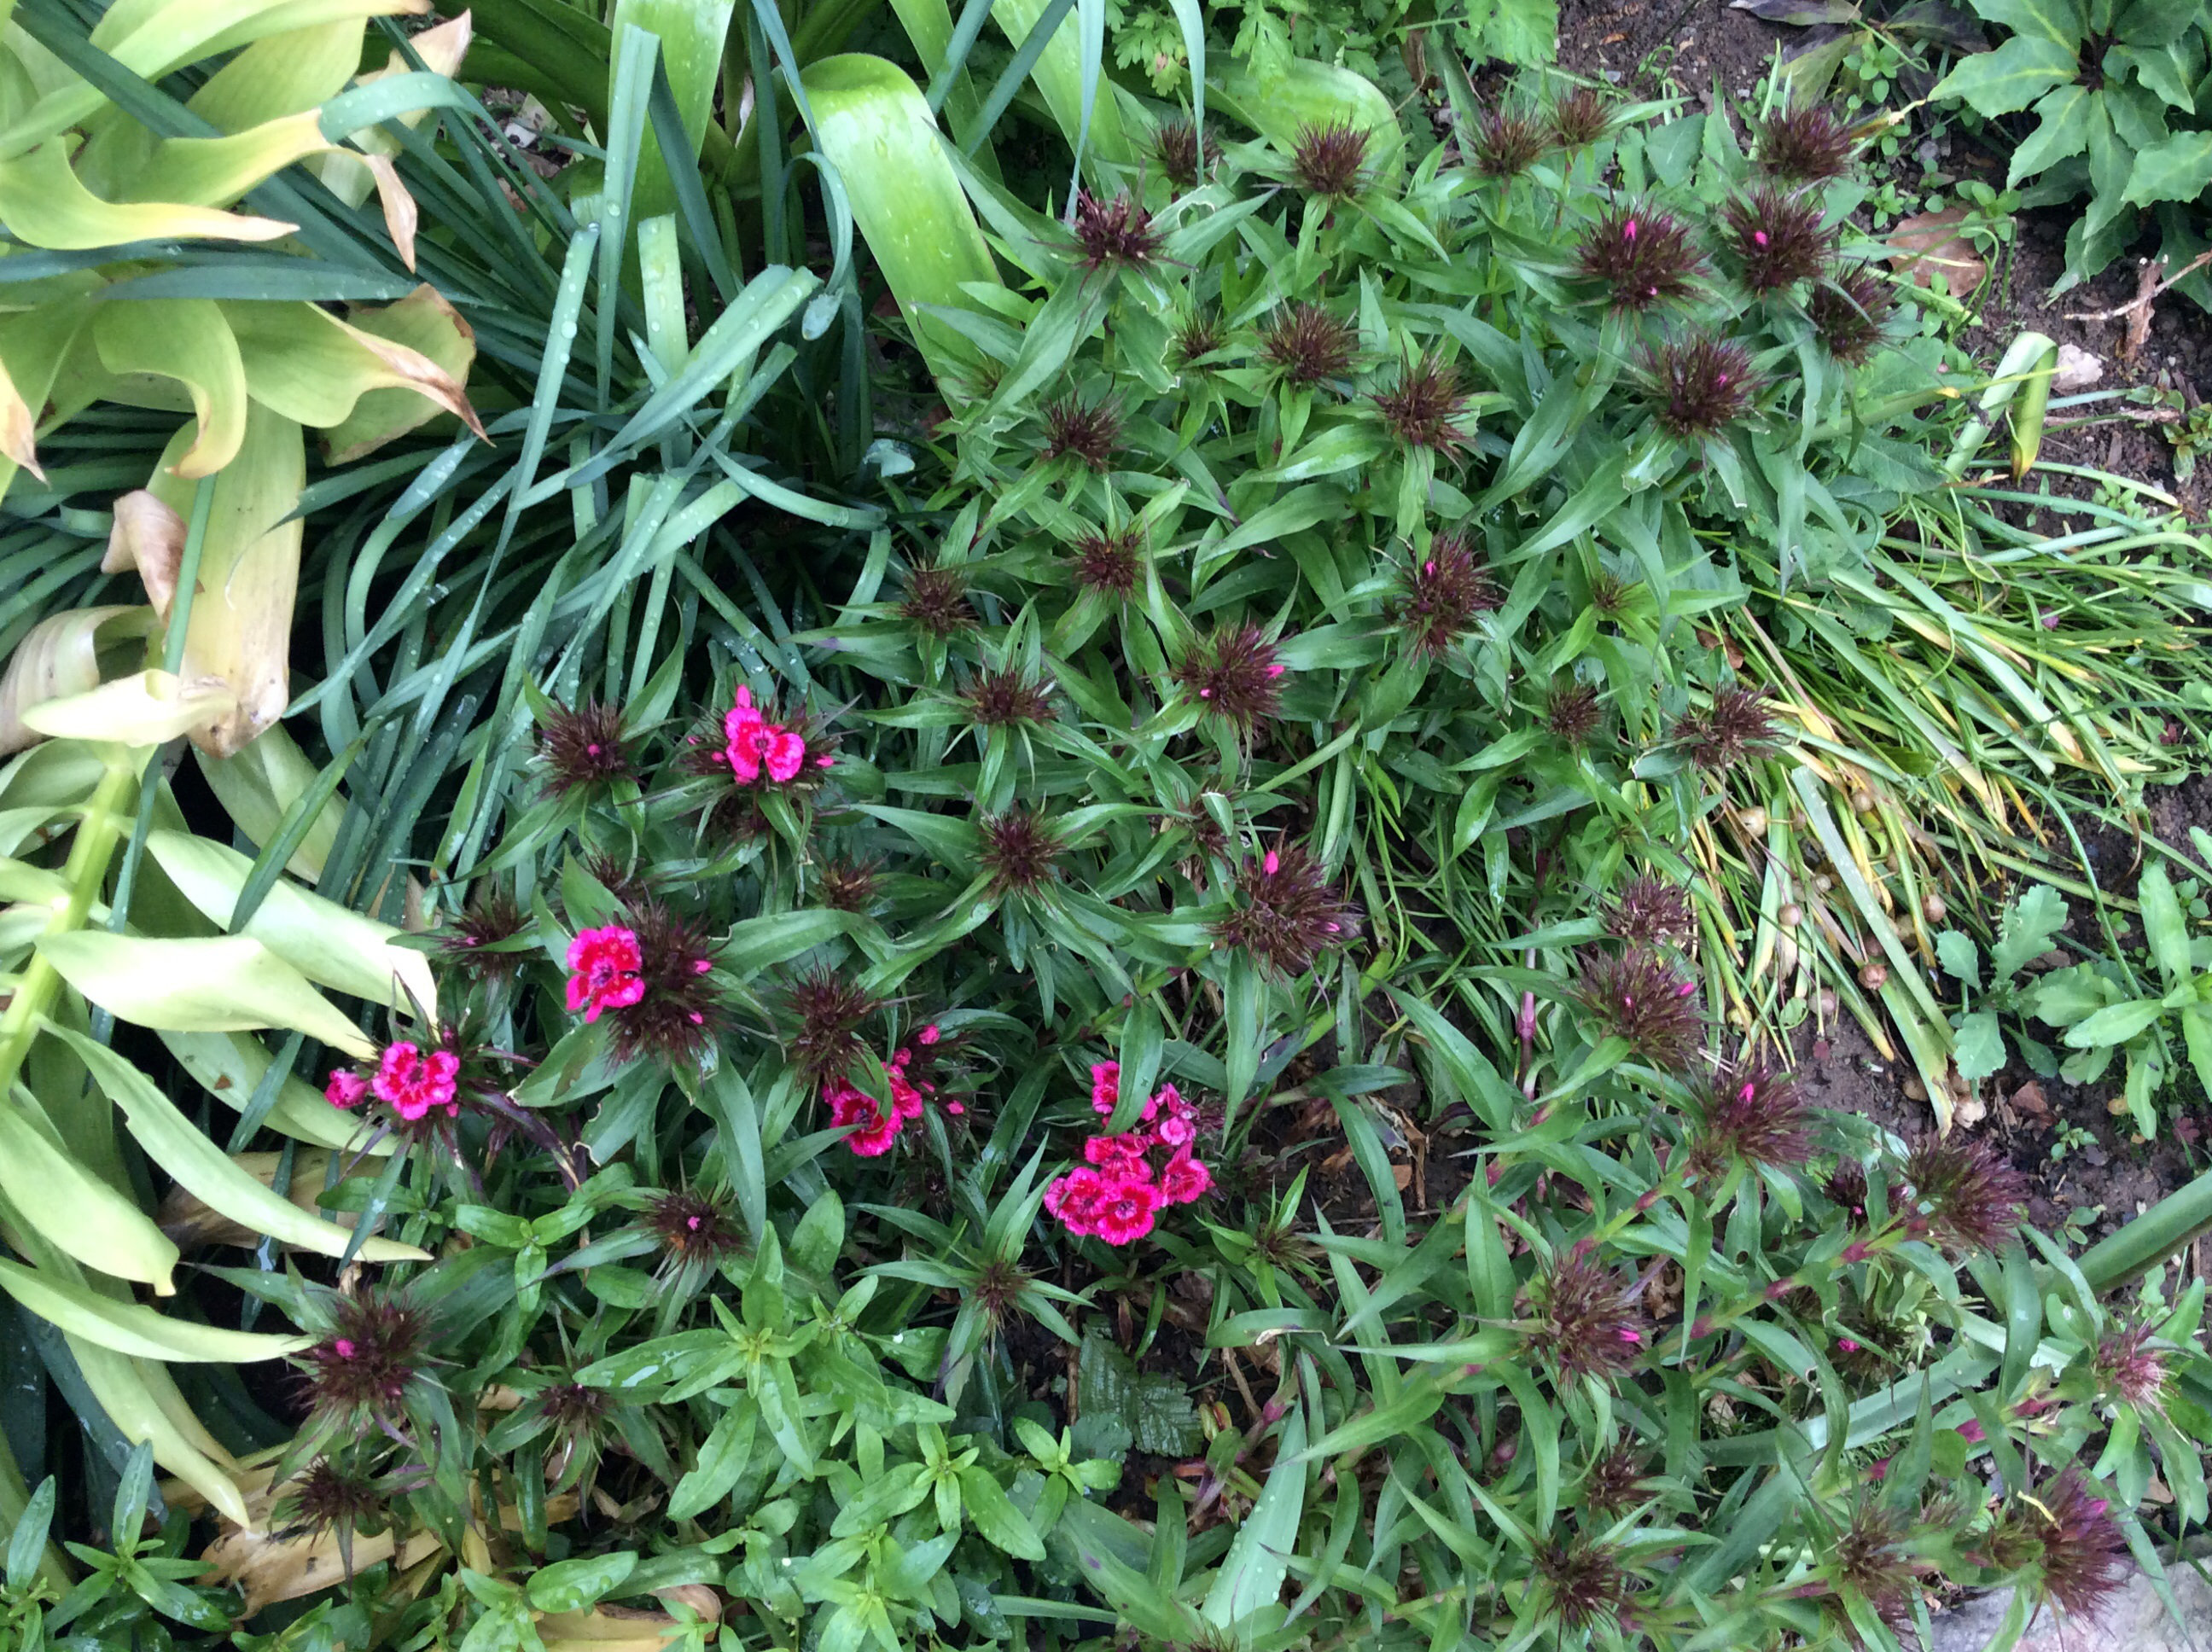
point(2064, 131)
point(2011, 77)
point(2030, 922)
point(1252, 1573)
point(573, 1585)
point(996, 1517)
point(230, 983)
point(2115, 1023)
point(1152, 1405)
point(1961, 960)
point(73, 1208)
point(2158, 22)
point(1979, 1051)
point(2164, 925)
point(132, 1328)
point(2179, 169)
point(2061, 20)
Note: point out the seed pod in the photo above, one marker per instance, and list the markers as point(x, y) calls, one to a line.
point(1872, 974)
point(1822, 882)
point(1754, 821)
point(1826, 1001)
point(1791, 915)
point(1932, 908)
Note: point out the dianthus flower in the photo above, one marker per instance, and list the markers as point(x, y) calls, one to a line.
point(1115, 1195)
point(605, 965)
point(346, 1089)
point(875, 1128)
point(754, 744)
point(414, 1082)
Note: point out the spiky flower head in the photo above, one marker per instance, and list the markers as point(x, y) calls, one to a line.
point(572, 1407)
point(1584, 1322)
point(1307, 344)
point(1578, 119)
point(1870, 1558)
point(1971, 1196)
point(1572, 713)
point(1108, 562)
point(1115, 234)
point(373, 1350)
point(2128, 1367)
point(1735, 727)
point(1753, 1114)
point(673, 1018)
point(1652, 911)
point(1236, 673)
point(1700, 385)
point(490, 918)
point(1080, 429)
point(1177, 150)
point(1642, 256)
point(1019, 848)
point(1424, 407)
point(823, 1013)
point(1778, 239)
point(1330, 160)
point(693, 1227)
point(2084, 1552)
point(581, 748)
point(1637, 997)
point(936, 601)
point(1845, 1187)
point(1584, 1582)
point(1440, 594)
point(1507, 142)
point(1614, 1484)
point(1197, 334)
point(1848, 311)
point(1805, 145)
point(1287, 911)
point(848, 885)
point(1001, 699)
point(329, 1498)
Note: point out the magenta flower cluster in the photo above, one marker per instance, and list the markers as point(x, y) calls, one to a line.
point(1118, 1193)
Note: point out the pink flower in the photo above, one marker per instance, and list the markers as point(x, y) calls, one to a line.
point(906, 1100)
point(1119, 1156)
point(346, 1089)
point(605, 965)
point(928, 1034)
point(753, 742)
point(874, 1127)
point(1971, 1431)
point(1125, 1213)
point(414, 1084)
point(1184, 1179)
point(1075, 1198)
point(1175, 1131)
point(1105, 1086)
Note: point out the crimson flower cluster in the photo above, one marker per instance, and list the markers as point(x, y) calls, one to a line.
point(876, 1127)
point(651, 980)
point(412, 1083)
point(1118, 1192)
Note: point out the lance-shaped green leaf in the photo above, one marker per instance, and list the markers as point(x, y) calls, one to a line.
point(1058, 75)
point(204, 1170)
point(74, 1209)
point(693, 33)
point(132, 1328)
point(325, 942)
point(133, 1394)
point(876, 128)
point(229, 983)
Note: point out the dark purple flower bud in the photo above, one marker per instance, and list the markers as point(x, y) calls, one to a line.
point(1652, 911)
point(2084, 1552)
point(1614, 1484)
point(693, 1227)
point(1175, 149)
point(936, 601)
point(1108, 562)
point(1637, 997)
point(1287, 911)
point(1440, 594)
point(1848, 311)
point(1579, 118)
point(327, 1498)
point(1585, 1584)
point(1734, 727)
point(1330, 160)
point(1871, 1560)
point(1806, 145)
point(1751, 1113)
point(1970, 1197)
point(2128, 1367)
point(1642, 255)
point(1307, 344)
point(1115, 234)
point(1573, 712)
point(583, 748)
point(1001, 699)
point(1075, 428)
point(674, 1020)
point(1019, 848)
point(823, 1013)
point(1507, 142)
point(490, 918)
point(1700, 385)
point(1197, 335)
point(1777, 240)
point(847, 885)
point(1585, 1324)
point(373, 1350)
point(1236, 674)
point(1424, 407)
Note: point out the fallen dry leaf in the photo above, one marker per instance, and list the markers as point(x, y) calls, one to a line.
point(2029, 1102)
point(1930, 245)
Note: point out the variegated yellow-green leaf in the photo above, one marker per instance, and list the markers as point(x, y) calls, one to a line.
point(306, 364)
point(422, 322)
point(875, 126)
point(325, 942)
point(33, 346)
point(129, 1328)
point(73, 1210)
point(225, 983)
point(229, 1067)
point(204, 1170)
point(132, 1393)
point(241, 620)
point(43, 204)
point(257, 785)
point(217, 171)
point(285, 74)
point(144, 708)
point(188, 341)
point(61, 656)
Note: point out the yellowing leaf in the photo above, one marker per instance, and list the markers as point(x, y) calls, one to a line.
point(286, 73)
point(217, 171)
point(187, 340)
point(257, 785)
point(130, 1329)
point(17, 427)
point(61, 656)
point(43, 203)
point(424, 323)
point(143, 709)
point(72, 1209)
point(145, 535)
point(226, 983)
point(306, 364)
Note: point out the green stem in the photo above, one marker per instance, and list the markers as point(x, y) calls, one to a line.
point(107, 815)
point(2165, 1228)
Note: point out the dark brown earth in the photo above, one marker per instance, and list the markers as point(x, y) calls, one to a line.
point(1687, 47)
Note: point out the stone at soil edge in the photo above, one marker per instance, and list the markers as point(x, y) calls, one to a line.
point(2133, 1620)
